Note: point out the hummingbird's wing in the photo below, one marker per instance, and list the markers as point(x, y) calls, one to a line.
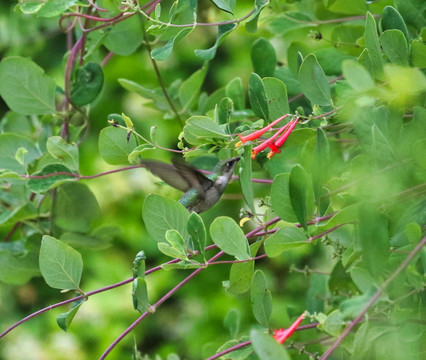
point(192, 176)
point(168, 173)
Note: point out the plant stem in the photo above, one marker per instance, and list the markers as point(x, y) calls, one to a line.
point(159, 78)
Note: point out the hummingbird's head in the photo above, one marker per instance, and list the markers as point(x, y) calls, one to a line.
point(225, 168)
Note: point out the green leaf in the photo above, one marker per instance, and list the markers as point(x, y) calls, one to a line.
point(313, 82)
point(241, 274)
point(251, 25)
point(350, 308)
point(9, 145)
point(333, 324)
point(197, 231)
point(320, 168)
point(263, 57)
point(161, 214)
point(135, 156)
point(40, 186)
point(138, 268)
point(64, 320)
point(284, 239)
point(24, 212)
point(76, 208)
point(301, 194)
point(163, 53)
point(240, 278)
point(156, 95)
point(257, 97)
point(190, 88)
point(98, 239)
point(357, 76)
point(392, 19)
point(125, 36)
point(235, 91)
point(276, 95)
point(266, 347)
point(340, 281)
point(232, 322)
point(140, 295)
point(395, 46)
point(225, 5)
point(175, 239)
point(53, 8)
point(30, 7)
point(229, 237)
point(261, 299)
point(280, 24)
point(60, 264)
point(114, 147)
point(373, 46)
point(222, 33)
point(317, 293)
point(200, 129)
point(347, 7)
point(245, 172)
point(66, 152)
point(20, 155)
point(412, 11)
point(280, 198)
point(17, 270)
point(224, 111)
point(418, 54)
point(25, 87)
point(182, 265)
point(374, 239)
point(87, 84)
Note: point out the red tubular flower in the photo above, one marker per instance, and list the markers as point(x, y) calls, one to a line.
point(256, 150)
point(275, 147)
point(282, 335)
point(255, 135)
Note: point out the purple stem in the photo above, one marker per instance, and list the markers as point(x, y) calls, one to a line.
point(375, 297)
point(107, 58)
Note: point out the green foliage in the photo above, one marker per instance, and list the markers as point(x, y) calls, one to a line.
point(25, 87)
point(261, 299)
point(60, 265)
point(229, 237)
point(331, 219)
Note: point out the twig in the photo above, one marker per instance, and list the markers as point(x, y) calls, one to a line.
point(159, 78)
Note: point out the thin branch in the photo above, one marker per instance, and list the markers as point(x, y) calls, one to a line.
point(195, 24)
point(238, 261)
point(375, 297)
point(325, 232)
point(159, 78)
point(12, 231)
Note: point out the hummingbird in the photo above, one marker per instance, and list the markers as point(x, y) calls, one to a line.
point(201, 191)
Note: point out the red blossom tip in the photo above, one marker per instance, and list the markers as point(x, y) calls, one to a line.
point(282, 335)
point(257, 134)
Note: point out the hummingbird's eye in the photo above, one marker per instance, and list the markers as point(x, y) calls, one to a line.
point(229, 164)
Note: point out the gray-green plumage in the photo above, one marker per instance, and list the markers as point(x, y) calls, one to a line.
point(201, 191)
